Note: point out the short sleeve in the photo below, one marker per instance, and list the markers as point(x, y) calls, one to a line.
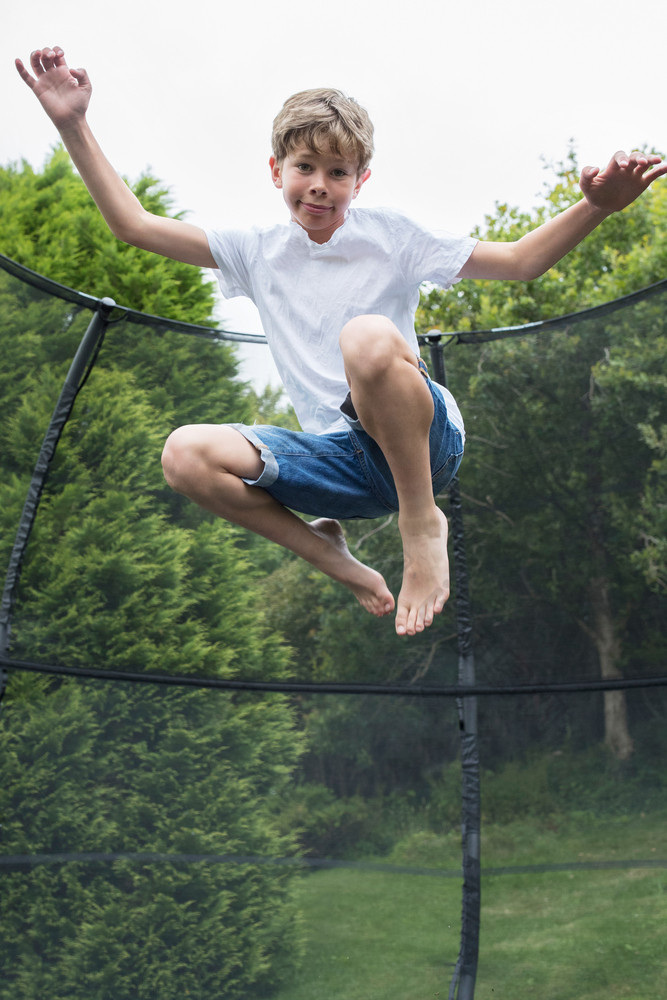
point(232, 250)
point(432, 256)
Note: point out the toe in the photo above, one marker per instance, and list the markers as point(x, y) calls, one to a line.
point(401, 620)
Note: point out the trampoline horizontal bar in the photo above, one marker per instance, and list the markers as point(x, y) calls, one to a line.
point(543, 325)
point(124, 313)
point(309, 687)
point(213, 333)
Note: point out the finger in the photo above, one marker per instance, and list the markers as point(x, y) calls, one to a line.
point(60, 56)
point(590, 172)
point(648, 160)
point(24, 74)
point(48, 58)
point(588, 175)
point(637, 162)
point(657, 171)
point(81, 77)
point(36, 62)
point(619, 159)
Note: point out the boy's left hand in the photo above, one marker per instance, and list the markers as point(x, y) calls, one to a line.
point(625, 177)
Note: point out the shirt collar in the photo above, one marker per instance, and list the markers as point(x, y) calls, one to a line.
point(299, 233)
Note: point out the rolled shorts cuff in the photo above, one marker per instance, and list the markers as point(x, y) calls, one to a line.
point(270, 471)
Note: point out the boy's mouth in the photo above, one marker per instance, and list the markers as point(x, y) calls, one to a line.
point(315, 209)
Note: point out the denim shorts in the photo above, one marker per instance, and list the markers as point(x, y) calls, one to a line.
point(344, 474)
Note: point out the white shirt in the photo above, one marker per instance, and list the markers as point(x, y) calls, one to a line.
point(305, 293)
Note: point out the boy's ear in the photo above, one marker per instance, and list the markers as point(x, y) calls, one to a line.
point(276, 175)
point(361, 180)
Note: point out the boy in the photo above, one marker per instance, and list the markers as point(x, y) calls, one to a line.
point(337, 289)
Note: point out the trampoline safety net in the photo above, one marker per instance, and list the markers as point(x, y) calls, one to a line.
point(222, 780)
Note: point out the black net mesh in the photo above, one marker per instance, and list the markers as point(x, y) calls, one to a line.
point(206, 837)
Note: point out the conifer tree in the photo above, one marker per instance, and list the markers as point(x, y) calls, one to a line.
point(119, 574)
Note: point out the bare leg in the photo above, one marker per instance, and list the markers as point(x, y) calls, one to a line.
point(395, 407)
point(208, 462)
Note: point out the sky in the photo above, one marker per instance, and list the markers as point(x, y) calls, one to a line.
point(470, 102)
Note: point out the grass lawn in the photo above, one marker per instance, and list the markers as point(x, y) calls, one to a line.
point(574, 936)
point(373, 934)
point(566, 935)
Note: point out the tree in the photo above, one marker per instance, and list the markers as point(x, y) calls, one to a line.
point(51, 225)
point(626, 253)
point(120, 575)
point(596, 386)
point(652, 557)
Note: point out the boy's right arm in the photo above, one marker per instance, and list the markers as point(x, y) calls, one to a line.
point(64, 94)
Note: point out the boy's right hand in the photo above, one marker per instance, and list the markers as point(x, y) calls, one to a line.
point(64, 93)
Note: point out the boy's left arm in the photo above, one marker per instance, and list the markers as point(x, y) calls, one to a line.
point(607, 191)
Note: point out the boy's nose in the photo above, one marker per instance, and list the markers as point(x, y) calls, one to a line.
point(317, 183)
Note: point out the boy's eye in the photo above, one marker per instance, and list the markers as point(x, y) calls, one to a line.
point(339, 173)
point(303, 167)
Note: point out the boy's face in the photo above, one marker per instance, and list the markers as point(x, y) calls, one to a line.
point(317, 188)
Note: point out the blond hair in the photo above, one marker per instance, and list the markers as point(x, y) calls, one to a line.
point(322, 120)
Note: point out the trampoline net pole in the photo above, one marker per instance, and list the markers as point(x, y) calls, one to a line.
point(463, 981)
point(78, 370)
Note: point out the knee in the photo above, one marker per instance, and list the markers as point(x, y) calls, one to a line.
point(177, 455)
point(367, 343)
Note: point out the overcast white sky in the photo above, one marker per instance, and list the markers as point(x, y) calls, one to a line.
point(466, 99)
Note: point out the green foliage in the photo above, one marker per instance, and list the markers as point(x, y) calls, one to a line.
point(332, 827)
point(626, 253)
point(563, 482)
point(527, 796)
point(120, 573)
point(651, 558)
point(112, 579)
point(363, 746)
point(119, 769)
point(559, 460)
point(50, 224)
point(270, 407)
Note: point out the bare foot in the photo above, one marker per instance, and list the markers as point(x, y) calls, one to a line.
point(367, 585)
point(425, 573)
